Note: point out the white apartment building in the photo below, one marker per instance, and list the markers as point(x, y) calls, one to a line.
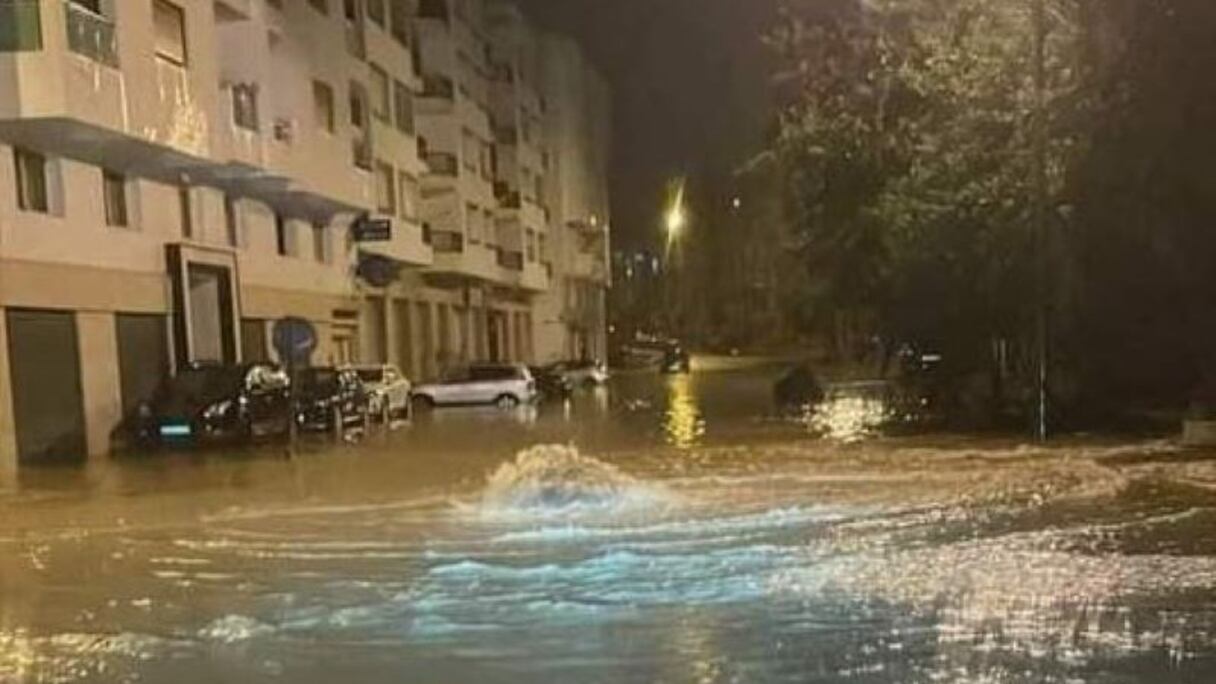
point(176, 175)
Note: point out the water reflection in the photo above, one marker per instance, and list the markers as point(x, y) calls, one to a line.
point(683, 424)
point(849, 414)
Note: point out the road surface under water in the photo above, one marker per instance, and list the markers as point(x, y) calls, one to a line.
point(661, 530)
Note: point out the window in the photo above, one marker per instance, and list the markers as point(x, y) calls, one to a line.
point(472, 220)
point(281, 238)
point(186, 210)
point(407, 196)
point(323, 105)
point(31, 181)
point(350, 9)
point(245, 105)
point(386, 196)
point(531, 246)
point(114, 191)
point(399, 22)
point(381, 106)
point(376, 11)
point(321, 6)
point(470, 151)
point(358, 105)
point(169, 22)
point(231, 218)
point(320, 243)
point(403, 101)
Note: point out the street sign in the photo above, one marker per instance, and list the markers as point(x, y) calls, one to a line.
point(295, 339)
point(366, 229)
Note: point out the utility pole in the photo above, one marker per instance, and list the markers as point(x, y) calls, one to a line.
point(1043, 291)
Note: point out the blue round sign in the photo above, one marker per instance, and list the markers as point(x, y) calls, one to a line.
point(295, 339)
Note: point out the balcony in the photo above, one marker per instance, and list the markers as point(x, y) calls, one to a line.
point(506, 135)
point(438, 87)
point(507, 198)
point(442, 164)
point(91, 35)
point(511, 261)
point(447, 242)
point(20, 26)
point(434, 9)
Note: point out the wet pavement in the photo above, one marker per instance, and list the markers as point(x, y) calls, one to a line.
point(659, 530)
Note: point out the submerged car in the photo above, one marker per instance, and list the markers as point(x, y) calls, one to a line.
point(389, 392)
point(205, 403)
point(552, 385)
point(502, 385)
point(675, 360)
point(330, 398)
point(582, 373)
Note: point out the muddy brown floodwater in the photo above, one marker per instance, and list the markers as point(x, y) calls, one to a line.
point(658, 530)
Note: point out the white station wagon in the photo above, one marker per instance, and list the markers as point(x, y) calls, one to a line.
point(501, 385)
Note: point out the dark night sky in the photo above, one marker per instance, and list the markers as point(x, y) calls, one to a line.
point(689, 86)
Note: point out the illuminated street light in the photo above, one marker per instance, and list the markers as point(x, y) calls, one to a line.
point(676, 219)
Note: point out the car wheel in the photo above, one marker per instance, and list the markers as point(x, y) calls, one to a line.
point(507, 401)
point(421, 402)
point(338, 421)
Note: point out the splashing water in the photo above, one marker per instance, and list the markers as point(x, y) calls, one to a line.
point(558, 480)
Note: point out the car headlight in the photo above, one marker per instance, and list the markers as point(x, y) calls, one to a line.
point(218, 411)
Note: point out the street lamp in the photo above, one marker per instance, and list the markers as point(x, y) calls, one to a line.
point(676, 218)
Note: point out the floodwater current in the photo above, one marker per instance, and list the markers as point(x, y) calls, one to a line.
point(658, 530)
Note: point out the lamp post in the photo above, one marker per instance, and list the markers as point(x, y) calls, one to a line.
point(1042, 342)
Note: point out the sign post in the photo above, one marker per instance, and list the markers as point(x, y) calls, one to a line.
point(295, 339)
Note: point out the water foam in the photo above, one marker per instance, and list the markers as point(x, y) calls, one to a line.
point(551, 480)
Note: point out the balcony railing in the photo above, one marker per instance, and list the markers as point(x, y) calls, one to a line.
point(442, 164)
point(438, 87)
point(512, 261)
point(91, 35)
point(506, 135)
point(447, 242)
point(20, 26)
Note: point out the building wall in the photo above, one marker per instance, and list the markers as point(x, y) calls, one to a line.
point(170, 128)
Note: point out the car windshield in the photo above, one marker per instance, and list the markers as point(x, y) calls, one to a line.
point(318, 381)
point(371, 375)
point(204, 384)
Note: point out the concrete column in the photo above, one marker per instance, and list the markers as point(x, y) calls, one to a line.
point(8, 424)
point(100, 381)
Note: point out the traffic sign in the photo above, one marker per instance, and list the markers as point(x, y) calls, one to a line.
point(295, 339)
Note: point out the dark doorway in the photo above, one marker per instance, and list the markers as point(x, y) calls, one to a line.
point(143, 358)
point(494, 336)
point(254, 345)
point(48, 401)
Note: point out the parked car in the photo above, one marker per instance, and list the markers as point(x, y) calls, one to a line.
point(388, 391)
point(502, 385)
point(211, 402)
point(675, 360)
point(582, 373)
point(552, 385)
point(329, 398)
point(798, 388)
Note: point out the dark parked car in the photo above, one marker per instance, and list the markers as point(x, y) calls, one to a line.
point(329, 397)
point(553, 385)
point(798, 388)
point(206, 403)
point(675, 360)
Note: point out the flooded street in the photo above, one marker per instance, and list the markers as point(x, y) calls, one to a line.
point(658, 530)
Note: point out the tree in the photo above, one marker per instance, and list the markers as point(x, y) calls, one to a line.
point(908, 145)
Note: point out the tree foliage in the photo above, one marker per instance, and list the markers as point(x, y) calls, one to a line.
point(909, 141)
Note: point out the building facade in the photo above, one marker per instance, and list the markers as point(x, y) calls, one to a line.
point(175, 176)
